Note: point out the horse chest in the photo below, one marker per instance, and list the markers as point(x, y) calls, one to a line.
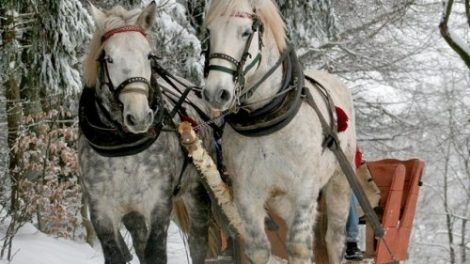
point(130, 182)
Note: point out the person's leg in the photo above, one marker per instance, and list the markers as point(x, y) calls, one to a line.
point(352, 225)
point(352, 231)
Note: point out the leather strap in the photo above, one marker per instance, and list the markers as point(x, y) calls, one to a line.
point(129, 28)
point(331, 141)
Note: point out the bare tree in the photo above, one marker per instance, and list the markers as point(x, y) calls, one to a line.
point(453, 40)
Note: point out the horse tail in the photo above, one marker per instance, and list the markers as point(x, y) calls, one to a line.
point(320, 249)
point(181, 217)
point(89, 229)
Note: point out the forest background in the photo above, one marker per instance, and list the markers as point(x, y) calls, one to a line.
point(407, 63)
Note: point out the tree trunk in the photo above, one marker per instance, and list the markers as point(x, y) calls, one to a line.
point(196, 16)
point(13, 111)
point(451, 40)
point(449, 222)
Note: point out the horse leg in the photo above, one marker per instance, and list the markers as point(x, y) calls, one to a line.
point(337, 195)
point(300, 236)
point(135, 223)
point(108, 235)
point(253, 214)
point(198, 204)
point(155, 251)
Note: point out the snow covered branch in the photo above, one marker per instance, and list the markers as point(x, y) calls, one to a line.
point(457, 44)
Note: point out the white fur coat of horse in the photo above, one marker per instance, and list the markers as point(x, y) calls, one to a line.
point(285, 170)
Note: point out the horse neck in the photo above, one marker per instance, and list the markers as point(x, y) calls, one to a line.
point(270, 86)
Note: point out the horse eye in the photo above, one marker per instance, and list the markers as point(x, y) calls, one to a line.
point(247, 33)
point(108, 59)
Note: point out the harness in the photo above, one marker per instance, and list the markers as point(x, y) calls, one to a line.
point(107, 136)
point(279, 111)
point(331, 141)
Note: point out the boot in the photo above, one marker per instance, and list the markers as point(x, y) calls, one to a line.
point(353, 252)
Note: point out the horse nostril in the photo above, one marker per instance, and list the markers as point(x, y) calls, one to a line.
point(224, 95)
point(150, 117)
point(130, 119)
point(205, 94)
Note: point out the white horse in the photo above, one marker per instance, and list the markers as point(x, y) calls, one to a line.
point(284, 167)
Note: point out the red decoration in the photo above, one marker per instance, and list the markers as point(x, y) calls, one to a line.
point(188, 119)
point(342, 119)
point(358, 157)
point(123, 29)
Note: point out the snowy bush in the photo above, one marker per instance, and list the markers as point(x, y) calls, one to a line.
point(47, 174)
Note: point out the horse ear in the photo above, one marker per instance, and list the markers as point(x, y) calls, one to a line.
point(97, 14)
point(147, 17)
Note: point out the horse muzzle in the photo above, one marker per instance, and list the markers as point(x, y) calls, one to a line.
point(137, 115)
point(219, 99)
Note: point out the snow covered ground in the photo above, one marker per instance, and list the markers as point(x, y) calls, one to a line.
point(33, 247)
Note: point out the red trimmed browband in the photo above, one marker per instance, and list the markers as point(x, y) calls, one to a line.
point(110, 33)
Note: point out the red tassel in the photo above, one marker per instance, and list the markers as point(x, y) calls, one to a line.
point(358, 157)
point(342, 119)
point(189, 120)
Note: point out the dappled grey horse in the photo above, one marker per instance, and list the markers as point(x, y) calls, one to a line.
point(132, 164)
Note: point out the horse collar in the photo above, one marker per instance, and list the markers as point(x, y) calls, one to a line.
point(110, 139)
point(280, 111)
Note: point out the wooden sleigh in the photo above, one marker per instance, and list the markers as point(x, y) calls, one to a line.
point(398, 182)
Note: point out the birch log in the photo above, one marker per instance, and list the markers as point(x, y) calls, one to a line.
point(211, 178)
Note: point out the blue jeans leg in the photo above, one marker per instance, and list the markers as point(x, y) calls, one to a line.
point(352, 224)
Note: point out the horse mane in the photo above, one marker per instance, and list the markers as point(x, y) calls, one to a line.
point(116, 17)
point(266, 10)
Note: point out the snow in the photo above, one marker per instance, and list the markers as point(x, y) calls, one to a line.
point(33, 247)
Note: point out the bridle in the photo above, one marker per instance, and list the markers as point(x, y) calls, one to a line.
point(104, 76)
point(242, 93)
point(240, 69)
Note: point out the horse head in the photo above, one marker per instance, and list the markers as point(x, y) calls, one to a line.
point(238, 32)
point(119, 65)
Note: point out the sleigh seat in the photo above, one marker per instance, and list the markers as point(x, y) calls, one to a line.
point(398, 181)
